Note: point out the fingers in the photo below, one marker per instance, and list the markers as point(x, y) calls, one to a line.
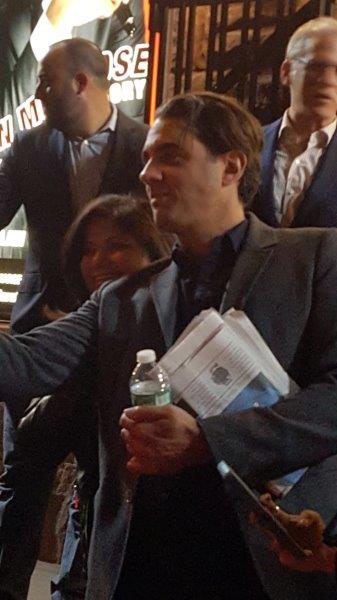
point(146, 413)
point(137, 445)
point(126, 422)
point(141, 466)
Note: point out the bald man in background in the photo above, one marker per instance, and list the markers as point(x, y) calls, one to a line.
point(86, 147)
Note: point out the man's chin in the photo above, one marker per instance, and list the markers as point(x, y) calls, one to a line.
point(163, 221)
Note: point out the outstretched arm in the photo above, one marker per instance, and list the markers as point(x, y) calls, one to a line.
point(37, 363)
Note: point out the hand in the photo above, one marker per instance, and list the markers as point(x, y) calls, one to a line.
point(162, 440)
point(324, 559)
point(307, 530)
point(73, 13)
point(52, 314)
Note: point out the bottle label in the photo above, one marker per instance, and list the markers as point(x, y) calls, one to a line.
point(148, 393)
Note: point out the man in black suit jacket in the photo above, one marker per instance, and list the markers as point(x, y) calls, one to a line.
point(173, 533)
point(299, 184)
point(43, 171)
point(37, 171)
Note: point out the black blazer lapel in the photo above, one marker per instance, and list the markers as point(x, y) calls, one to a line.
point(124, 164)
point(164, 292)
point(263, 204)
point(55, 171)
point(318, 192)
point(251, 262)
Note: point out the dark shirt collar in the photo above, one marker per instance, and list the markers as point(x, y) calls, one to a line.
point(232, 241)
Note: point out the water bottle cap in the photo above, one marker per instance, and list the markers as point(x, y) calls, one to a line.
point(146, 356)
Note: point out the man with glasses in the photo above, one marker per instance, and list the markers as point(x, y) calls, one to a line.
point(299, 183)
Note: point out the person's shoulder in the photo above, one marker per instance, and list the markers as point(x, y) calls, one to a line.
point(316, 234)
point(270, 127)
point(37, 136)
point(309, 244)
point(130, 125)
point(292, 236)
point(128, 285)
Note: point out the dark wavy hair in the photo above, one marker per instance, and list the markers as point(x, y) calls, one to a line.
point(130, 215)
point(221, 124)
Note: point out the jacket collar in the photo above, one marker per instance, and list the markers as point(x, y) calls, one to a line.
point(251, 262)
point(164, 290)
point(324, 177)
point(267, 171)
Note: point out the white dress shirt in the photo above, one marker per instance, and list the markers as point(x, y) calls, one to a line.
point(294, 167)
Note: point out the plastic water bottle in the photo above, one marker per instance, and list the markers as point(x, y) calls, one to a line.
point(149, 383)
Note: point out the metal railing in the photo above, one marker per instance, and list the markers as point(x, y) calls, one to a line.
point(244, 47)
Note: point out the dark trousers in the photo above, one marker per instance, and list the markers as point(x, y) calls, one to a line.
point(185, 544)
point(32, 455)
point(24, 492)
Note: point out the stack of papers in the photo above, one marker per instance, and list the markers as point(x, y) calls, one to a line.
point(220, 363)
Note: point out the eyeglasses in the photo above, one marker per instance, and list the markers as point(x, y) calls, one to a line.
point(317, 67)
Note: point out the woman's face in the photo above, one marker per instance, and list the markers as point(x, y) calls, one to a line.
point(109, 254)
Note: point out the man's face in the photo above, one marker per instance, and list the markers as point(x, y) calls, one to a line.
point(312, 78)
point(184, 182)
point(56, 90)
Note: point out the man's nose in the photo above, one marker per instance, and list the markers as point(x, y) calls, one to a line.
point(150, 172)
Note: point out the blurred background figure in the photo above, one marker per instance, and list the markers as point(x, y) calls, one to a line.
point(299, 184)
point(113, 236)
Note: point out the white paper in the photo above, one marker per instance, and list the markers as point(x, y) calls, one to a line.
point(221, 363)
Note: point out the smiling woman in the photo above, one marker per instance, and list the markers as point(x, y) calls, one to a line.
point(113, 236)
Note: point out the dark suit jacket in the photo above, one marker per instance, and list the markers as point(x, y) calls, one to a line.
point(319, 205)
point(34, 173)
point(286, 282)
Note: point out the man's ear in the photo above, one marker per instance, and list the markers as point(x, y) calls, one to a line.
point(81, 82)
point(285, 72)
point(235, 163)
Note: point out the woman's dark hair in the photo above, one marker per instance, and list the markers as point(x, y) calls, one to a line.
point(130, 215)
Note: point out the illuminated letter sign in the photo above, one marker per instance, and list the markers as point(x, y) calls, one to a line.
point(30, 114)
point(6, 132)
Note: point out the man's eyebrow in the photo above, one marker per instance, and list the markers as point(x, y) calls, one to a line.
point(161, 147)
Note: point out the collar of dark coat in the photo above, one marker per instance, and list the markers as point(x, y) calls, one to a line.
point(161, 278)
point(252, 261)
